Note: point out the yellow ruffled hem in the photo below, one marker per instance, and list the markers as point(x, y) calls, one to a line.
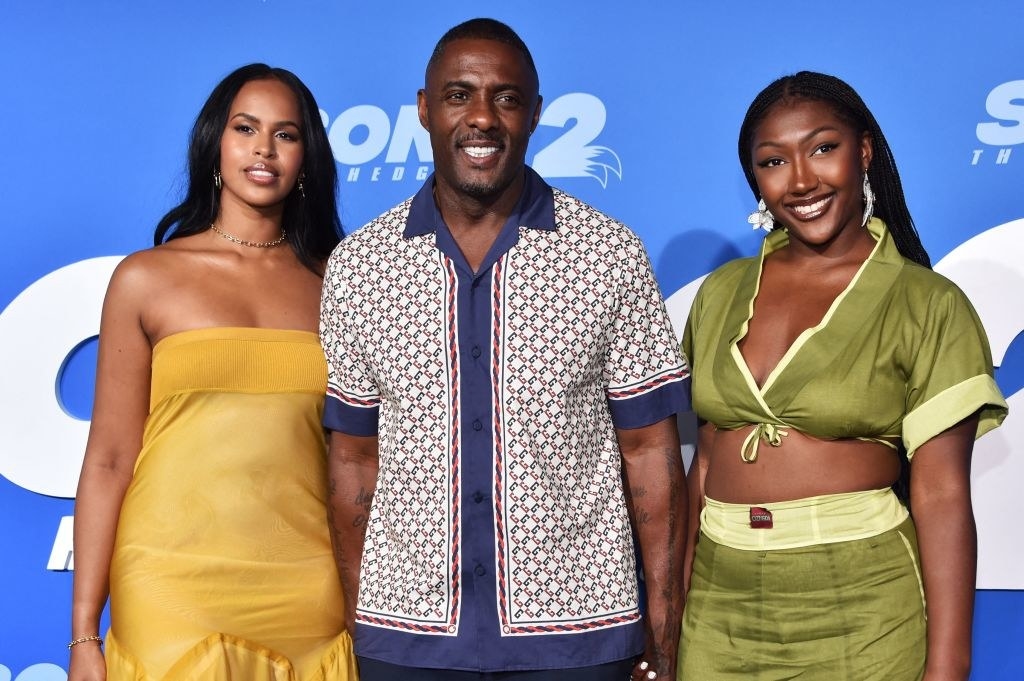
point(222, 657)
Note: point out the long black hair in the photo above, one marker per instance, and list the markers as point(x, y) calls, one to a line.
point(890, 204)
point(310, 217)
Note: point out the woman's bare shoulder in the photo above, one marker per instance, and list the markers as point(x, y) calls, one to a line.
point(157, 261)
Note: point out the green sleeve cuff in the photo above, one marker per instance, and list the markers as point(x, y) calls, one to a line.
point(953, 405)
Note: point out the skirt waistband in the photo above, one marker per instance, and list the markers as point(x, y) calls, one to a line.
point(802, 522)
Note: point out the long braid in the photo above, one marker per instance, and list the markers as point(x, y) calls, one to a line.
point(890, 203)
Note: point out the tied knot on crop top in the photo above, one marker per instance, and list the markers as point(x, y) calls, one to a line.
point(766, 432)
point(899, 355)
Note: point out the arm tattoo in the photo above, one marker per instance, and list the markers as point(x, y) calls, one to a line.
point(336, 542)
point(364, 500)
point(640, 514)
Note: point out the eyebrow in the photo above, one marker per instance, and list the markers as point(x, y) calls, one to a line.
point(808, 136)
point(466, 85)
point(253, 119)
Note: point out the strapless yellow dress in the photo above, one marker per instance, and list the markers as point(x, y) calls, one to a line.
point(222, 565)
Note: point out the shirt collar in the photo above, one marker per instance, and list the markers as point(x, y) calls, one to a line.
point(535, 208)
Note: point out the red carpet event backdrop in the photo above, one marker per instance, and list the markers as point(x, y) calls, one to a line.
point(642, 105)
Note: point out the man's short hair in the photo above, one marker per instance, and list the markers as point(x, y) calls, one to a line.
point(482, 29)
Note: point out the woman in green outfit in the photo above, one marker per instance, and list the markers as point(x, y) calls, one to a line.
point(818, 367)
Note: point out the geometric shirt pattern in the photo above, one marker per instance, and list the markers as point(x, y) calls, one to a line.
point(577, 343)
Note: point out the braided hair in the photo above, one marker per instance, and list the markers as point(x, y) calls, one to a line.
point(890, 204)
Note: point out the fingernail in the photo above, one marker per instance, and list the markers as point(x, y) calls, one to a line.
point(652, 675)
point(644, 665)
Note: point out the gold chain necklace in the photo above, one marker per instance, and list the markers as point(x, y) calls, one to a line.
point(251, 244)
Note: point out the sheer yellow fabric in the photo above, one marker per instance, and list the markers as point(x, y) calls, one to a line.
point(222, 566)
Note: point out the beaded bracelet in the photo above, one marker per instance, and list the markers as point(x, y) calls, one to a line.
point(84, 639)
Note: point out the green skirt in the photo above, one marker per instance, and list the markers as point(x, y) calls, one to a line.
point(844, 611)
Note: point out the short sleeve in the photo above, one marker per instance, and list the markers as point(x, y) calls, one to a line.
point(686, 346)
point(951, 378)
point(647, 378)
point(352, 404)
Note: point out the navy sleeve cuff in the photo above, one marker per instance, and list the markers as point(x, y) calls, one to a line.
point(651, 407)
point(344, 418)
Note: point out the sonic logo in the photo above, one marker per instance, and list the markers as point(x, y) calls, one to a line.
point(41, 444)
point(988, 267)
point(44, 671)
point(572, 155)
point(1005, 103)
point(360, 135)
point(372, 123)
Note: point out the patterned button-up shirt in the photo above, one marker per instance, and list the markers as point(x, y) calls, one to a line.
point(498, 538)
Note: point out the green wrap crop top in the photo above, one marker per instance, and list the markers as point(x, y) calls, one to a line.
point(900, 353)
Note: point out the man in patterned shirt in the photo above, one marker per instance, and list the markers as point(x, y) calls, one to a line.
point(503, 384)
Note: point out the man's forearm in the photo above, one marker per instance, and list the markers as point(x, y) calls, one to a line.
point(660, 512)
point(352, 471)
point(656, 491)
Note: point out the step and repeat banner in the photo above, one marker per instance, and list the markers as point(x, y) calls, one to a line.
point(642, 105)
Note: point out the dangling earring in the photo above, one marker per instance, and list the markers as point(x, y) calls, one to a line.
point(302, 190)
point(762, 218)
point(216, 179)
point(869, 200)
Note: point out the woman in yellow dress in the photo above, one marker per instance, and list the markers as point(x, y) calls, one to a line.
point(201, 503)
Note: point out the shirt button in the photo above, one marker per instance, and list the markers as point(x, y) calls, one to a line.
point(480, 571)
point(475, 352)
point(477, 425)
point(477, 497)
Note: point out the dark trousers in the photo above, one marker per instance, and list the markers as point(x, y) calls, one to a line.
point(372, 670)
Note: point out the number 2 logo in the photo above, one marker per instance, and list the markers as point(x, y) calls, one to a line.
point(572, 154)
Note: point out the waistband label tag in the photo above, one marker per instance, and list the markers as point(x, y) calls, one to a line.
point(760, 518)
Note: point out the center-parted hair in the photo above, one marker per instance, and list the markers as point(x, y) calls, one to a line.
point(311, 221)
point(890, 203)
point(483, 29)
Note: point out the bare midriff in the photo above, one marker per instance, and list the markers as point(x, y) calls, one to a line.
point(800, 466)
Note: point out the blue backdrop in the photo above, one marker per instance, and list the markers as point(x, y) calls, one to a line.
point(643, 102)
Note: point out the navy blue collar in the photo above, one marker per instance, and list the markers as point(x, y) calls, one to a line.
point(535, 208)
